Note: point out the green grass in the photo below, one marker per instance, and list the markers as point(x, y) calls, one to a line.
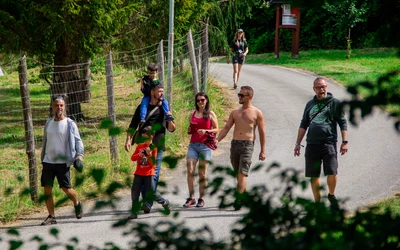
point(14, 165)
point(364, 64)
point(392, 203)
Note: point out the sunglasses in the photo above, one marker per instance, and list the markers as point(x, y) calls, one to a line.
point(242, 95)
point(201, 100)
point(152, 72)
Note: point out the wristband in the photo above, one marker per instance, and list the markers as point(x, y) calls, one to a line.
point(298, 144)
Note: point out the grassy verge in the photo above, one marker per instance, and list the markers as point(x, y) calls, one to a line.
point(14, 167)
point(365, 64)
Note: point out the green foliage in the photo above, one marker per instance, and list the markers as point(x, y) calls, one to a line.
point(80, 27)
point(150, 23)
point(225, 18)
point(88, 28)
point(347, 15)
point(291, 223)
point(318, 29)
point(275, 220)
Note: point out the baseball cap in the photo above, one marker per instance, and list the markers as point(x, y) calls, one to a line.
point(240, 30)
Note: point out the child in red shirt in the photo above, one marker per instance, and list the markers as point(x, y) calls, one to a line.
point(145, 155)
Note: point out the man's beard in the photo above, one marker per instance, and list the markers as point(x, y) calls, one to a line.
point(59, 115)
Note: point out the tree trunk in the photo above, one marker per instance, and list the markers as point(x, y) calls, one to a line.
point(70, 79)
point(348, 45)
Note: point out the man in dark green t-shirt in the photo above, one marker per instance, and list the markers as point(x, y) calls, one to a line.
point(321, 116)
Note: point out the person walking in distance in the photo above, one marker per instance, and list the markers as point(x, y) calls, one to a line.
point(238, 50)
point(321, 116)
point(246, 120)
point(201, 122)
point(143, 181)
point(62, 146)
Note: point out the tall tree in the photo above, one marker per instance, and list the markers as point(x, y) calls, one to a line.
point(66, 33)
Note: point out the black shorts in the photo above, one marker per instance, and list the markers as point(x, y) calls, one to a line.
point(241, 153)
point(50, 171)
point(238, 59)
point(321, 153)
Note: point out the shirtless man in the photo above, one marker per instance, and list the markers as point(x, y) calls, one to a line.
point(246, 119)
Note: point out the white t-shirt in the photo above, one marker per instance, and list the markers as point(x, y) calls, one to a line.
point(57, 139)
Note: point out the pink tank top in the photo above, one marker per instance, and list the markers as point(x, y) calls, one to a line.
point(201, 123)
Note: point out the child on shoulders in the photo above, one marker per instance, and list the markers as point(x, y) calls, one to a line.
point(146, 84)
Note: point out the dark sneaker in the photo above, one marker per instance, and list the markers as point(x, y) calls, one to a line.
point(235, 86)
point(169, 118)
point(50, 220)
point(237, 205)
point(189, 202)
point(132, 217)
point(166, 206)
point(200, 203)
point(79, 211)
point(146, 208)
point(334, 202)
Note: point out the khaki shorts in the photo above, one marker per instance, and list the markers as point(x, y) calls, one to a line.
point(241, 153)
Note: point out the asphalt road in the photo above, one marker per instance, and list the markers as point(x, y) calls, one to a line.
point(368, 173)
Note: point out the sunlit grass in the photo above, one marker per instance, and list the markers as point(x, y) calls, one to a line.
point(392, 203)
point(364, 64)
point(14, 166)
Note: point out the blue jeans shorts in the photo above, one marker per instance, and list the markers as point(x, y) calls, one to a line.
point(199, 151)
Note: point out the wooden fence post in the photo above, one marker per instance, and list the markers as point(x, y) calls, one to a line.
point(199, 58)
point(111, 108)
point(193, 63)
point(204, 58)
point(28, 124)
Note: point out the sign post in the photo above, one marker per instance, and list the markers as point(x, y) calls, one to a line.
point(287, 17)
